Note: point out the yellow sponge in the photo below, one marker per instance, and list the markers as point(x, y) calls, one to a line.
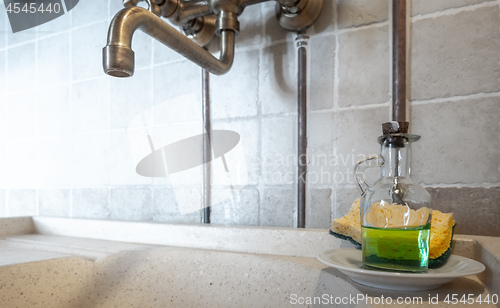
point(442, 227)
point(349, 226)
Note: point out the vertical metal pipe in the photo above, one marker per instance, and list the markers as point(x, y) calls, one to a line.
point(207, 149)
point(302, 129)
point(399, 60)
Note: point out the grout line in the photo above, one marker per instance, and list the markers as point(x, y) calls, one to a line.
point(462, 185)
point(364, 27)
point(70, 110)
point(453, 11)
point(456, 98)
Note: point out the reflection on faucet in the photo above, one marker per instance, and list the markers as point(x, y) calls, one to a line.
point(199, 19)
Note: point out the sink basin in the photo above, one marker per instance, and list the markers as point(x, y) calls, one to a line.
point(63, 262)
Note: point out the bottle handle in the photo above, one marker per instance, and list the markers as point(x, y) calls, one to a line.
point(361, 166)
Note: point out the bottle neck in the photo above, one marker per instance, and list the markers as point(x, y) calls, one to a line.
point(397, 157)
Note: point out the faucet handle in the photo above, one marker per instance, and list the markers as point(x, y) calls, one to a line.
point(152, 6)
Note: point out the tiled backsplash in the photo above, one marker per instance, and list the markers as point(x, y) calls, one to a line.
point(70, 136)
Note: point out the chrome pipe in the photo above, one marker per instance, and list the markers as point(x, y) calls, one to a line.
point(399, 60)
point(207, 149)
point(118, 56)
point(302, 130)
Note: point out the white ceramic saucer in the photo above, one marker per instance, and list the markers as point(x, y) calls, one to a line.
point(349, 261)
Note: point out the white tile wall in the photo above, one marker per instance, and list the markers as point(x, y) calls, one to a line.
point(21, 64)
point(227, 103)
point(90, 105)
point(364, 67)
point(54, 49)
point(353, 13)
point(54, 111)
point(446, 64)
point(70, 137)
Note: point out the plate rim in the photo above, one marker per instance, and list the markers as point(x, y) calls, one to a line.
point(427, 275)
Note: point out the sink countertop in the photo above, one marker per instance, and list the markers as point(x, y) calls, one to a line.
point(48, 239)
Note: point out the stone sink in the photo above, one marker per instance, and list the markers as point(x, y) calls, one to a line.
point(65, 262)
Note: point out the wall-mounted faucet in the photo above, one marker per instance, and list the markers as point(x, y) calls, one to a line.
point(200, 20)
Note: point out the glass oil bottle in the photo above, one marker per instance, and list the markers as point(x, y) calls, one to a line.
point(395, 211)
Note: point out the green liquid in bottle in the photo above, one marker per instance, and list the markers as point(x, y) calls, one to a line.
point(398, 249)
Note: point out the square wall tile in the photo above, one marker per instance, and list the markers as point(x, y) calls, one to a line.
point(236, 207)
point(459, 142)
point(54, 116)
point(54, 202)
point(21, 63)
point(233, 95)
point(278, 79)
point(460, 57)
point(420, 7)
point(279, 154)
point(133, 203)
point(177, 82)
point(86, 49)
point(166, 207)
point(21, 115)
point(364, 67)
point(90, 203)
point(90, 105)
point(54, 162)
point(90, 160)
point(20, 157)
point(21, 202)
point(129, 97)
point(322, 72)
point(361, 12)
point(278, 207)
point(319, 208)
point(53, 60)
point(122, 165)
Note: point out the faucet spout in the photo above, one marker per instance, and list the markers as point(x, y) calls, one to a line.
point(118, 56)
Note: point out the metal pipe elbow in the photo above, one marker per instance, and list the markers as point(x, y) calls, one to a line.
point(118, 56)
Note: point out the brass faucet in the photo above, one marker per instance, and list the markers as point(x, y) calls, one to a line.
point(200, 20)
